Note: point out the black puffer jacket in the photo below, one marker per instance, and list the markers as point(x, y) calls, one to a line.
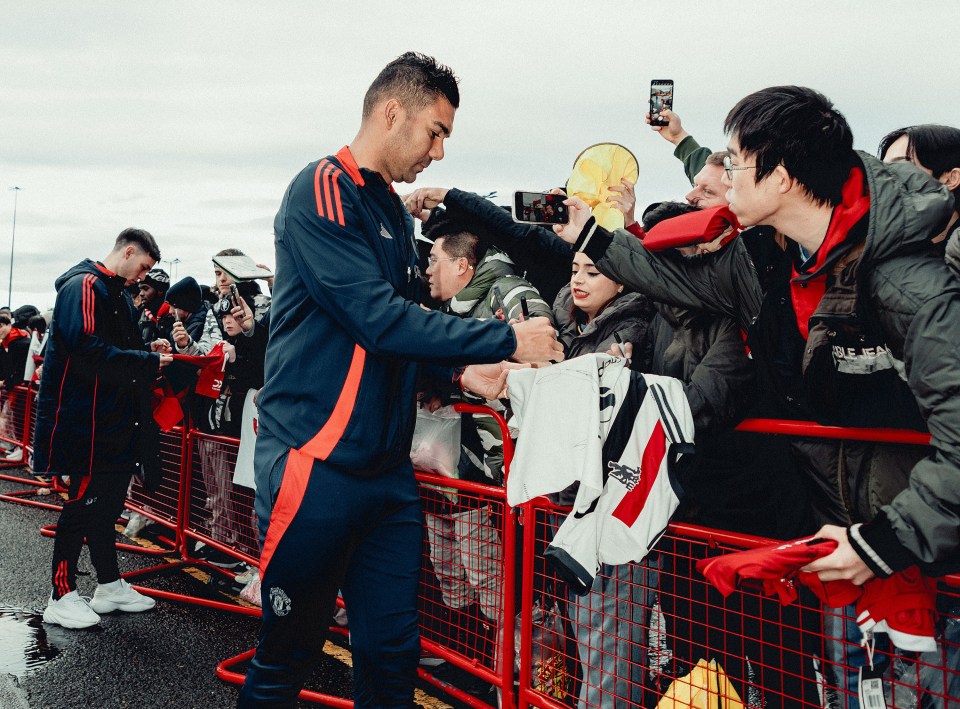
point(93, 408)
point(628, 316)
point(882, 347)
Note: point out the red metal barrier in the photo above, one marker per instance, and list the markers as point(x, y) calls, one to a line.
point(640, 636)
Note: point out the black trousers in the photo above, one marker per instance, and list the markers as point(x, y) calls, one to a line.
point(90, 514)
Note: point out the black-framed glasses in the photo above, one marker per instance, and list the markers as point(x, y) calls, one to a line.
point(433, 259)
point(728, 167)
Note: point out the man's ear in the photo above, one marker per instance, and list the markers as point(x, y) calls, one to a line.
point(951, 178)
point(129, 251)
point(782, 179)
point(392, 113)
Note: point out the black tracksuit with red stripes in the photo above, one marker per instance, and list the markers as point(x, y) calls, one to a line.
point(93, 414)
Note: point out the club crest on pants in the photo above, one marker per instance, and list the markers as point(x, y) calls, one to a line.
point(280, 601)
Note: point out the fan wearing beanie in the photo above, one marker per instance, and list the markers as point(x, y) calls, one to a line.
point(187, 306)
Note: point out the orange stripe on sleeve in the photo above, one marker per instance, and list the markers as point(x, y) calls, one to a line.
point(326, 192)
point(316, 187)
point(87, 303)
point(335, 177)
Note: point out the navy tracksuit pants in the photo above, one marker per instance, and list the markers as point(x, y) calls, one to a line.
point(359, 536)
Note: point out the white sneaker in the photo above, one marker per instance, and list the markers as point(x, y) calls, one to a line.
point(120, 596)
point(70, 611)
point(14, 454)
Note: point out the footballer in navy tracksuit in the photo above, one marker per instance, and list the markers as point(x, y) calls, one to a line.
point(336, 497)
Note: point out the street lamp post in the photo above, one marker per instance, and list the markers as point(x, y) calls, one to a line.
point(13, 241)
point(173, 262)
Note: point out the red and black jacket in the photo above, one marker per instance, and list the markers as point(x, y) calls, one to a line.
point(93, 408)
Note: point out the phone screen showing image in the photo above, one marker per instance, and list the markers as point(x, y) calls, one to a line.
point(540, 208)
point(661, 97)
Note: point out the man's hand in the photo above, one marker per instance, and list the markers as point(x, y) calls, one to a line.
point(180, 336)
point(673, 131)
point(424, 199)
point(161, 345)
point(536, 341)
point(229, 352)
point(843, 563)
point(488, 380)
point(579, 214)
point(625, 199)
point(243, 315)
point(165, 359)
point(268, 280)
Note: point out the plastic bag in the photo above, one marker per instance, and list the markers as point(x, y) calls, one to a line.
point(548, 671)
point(436, 442)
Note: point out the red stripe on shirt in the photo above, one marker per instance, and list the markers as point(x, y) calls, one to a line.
point(633, 502)
point(85, 293)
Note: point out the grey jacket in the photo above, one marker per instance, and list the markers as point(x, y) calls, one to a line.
point(887, 288)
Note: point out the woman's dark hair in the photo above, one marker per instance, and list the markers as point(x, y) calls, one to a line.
point(935, 147)
point(800, 129)
point(37, 324)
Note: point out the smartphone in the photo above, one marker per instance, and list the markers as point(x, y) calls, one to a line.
point(661, 97)
point(539, 208)
point(235, 295)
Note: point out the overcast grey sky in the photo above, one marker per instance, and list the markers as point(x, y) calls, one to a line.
point(189, 118)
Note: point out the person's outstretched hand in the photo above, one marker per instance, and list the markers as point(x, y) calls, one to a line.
point(488, 380)
point(536, 341)
point(624, 198)
point(673, 131)
point(420, 201)
point(579, 214)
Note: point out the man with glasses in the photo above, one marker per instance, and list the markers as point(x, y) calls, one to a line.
point(863, 332)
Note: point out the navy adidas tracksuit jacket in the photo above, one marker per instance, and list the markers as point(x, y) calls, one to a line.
point(93, 408)
point(346, 333)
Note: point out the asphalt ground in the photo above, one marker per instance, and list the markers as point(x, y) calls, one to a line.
point(161, 658)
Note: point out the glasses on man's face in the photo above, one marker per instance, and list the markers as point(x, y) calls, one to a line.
point(728, 167)
point(433, 259)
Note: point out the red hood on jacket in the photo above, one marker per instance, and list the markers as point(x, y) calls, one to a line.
point(15, 334)
point(806, 290)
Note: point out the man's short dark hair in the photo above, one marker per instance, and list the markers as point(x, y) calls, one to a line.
point(140, 238)
point(664, 211)
point(800, 129)
point(229, 252)
point(415, 80)
point(935, 147)
point(5, 320)
point(461, 244)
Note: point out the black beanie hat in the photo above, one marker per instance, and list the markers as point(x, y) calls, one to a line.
point(159, 279)
point(186, 295)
